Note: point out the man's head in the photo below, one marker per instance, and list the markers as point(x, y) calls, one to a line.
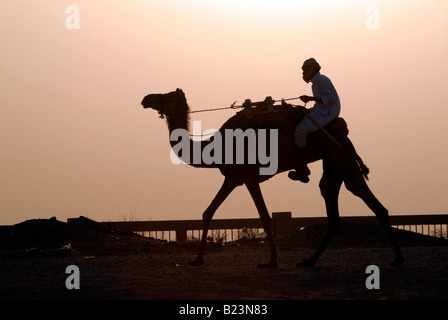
point(310, 67)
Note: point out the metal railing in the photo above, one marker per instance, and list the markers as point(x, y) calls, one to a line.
point(282, 223)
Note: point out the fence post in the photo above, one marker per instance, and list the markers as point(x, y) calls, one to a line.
point(181, 235)
point(282, 223)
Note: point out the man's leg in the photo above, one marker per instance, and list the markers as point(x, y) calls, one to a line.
point(302, 172)
point(302, 130)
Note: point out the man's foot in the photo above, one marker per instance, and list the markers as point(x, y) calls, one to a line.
point(300, 174)
point(296, 176)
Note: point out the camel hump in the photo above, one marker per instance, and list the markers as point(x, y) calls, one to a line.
point(283, 117)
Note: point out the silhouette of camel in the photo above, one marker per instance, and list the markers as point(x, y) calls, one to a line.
point(339, 165)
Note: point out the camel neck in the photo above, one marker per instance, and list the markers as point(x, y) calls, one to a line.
point(179, 119)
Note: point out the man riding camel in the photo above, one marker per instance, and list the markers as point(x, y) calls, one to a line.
point(326, 108)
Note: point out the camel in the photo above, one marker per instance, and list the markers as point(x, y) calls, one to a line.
point(340, 164)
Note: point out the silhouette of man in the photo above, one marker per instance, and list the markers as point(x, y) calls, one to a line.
point(326, 108)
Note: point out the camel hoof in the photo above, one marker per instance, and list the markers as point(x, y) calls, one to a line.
point(397, 262)
point(306, 263)
point(196, 263)
point(268, 265)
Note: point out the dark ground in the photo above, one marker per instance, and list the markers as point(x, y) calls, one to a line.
point(35, 254)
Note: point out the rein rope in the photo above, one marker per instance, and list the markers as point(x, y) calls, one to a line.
point(233, 106)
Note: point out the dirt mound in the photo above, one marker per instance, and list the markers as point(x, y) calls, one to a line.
point(53, 237)
point(358, 235)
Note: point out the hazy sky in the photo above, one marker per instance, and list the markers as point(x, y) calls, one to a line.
point(74, 139)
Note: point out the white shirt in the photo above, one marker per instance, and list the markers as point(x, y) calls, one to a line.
point(329, 108)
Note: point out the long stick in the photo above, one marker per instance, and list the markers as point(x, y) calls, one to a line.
point(323, 129)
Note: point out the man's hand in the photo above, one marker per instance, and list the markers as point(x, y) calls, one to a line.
point(307, 99)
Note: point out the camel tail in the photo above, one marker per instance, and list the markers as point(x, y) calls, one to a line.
point(364, 169)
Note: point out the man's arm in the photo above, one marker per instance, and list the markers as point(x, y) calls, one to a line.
point(307, 99)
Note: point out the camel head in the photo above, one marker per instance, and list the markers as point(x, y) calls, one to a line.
point(165, 104)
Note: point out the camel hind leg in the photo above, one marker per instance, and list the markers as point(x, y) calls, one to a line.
point(329, 185)
point(356, 184)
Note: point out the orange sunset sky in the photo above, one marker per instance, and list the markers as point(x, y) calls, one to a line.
point(74, 139)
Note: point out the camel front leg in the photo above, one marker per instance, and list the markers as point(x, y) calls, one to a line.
point(255, 192)
point(207, 216)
